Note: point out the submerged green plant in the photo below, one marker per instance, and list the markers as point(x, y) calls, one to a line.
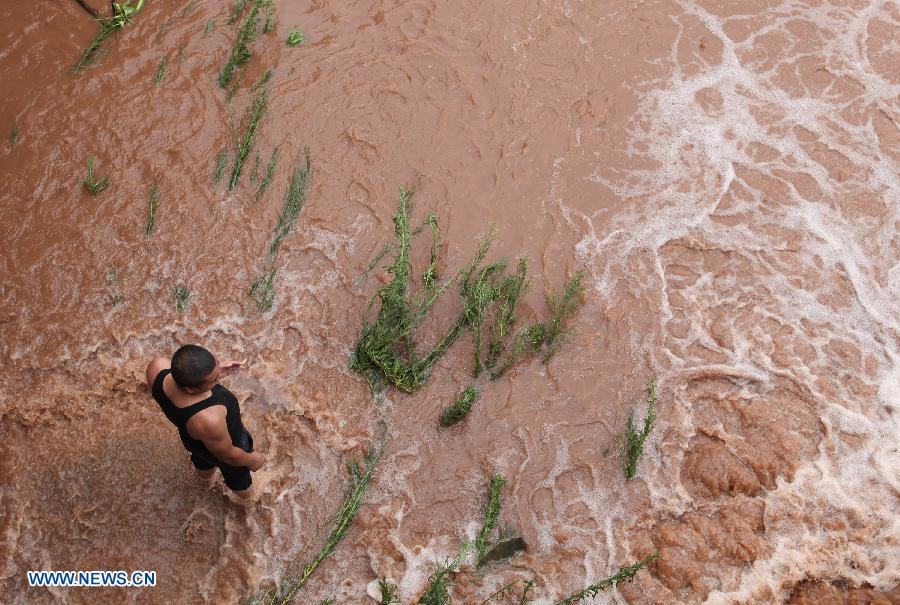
point(632, 441)
point(93, 184)
point(509, 293)
point(151, 211)
point(122, 14)
point(529, 584)
point(14, 135)
point(236, 9)
point(270, 172)
point(115, 295)
point(438, 590)
point(221, 162)
point(295, 38)
point(296, 577)
point(254, 174)
point(182, 295)
point(161, 70)
point(245, 145)
point(625, 574)
point(262, 290)
point(209, 27)
point(461, 407)
point(246, 34)
point(269, 12)
point(388, 592)
point(491, 514)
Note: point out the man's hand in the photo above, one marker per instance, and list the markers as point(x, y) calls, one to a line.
point(258, 461)
point(227, 368)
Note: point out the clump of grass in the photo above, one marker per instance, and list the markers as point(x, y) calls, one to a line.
point(246, 34)
point(510, 292)
point(93, 184)
point(270, 173)
point(14, 136)
point(295, 38)
point(296, 576)
point(491, 514)
point(122, 13)
point(262, 290)
point(182, 295)
point(625, 574)
point(254, 174)
point(161, 70)
point(461, 407)
point(386, 352)
point(388, 592)
point(632, 440)
point(115, 295)
point(245, 145)
point(151, 211)
point(236, 9)
point(548, 336)
point(209, 27)
point(438, 590)
point(221, 163)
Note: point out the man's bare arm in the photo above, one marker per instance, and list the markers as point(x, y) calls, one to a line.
point(209, 427)
point(156, 366)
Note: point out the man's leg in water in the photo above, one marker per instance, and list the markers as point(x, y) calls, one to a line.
point(206, 474)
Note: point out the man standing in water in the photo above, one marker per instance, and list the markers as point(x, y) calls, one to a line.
point(207, 415)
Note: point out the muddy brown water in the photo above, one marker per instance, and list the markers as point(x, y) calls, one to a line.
point(726, 173)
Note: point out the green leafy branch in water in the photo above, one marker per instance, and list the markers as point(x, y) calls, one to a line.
point(14, 136)
point(632, 441)
point(461, 407)
point(182, 295)
point(491, 514)
point(295, 38)
point(388, 592)
point(625, 574)
point(529, 584)
point(296, 577)
point(122, 14)
point(270, 173)
point(262, 290)
point(438, 590)
point(246, 34)
point(151, 211)
point(93, 184)
point(221, 163)
point(115, 295)
point(161, 70)
point(258, 109)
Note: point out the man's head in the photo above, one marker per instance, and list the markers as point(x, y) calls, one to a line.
point(194, 369)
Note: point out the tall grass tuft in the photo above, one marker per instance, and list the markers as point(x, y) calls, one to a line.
point(625, 574)
point(182, 295)
point(262, 290)
point(14, 136)
point(221, 163)
point(122, 13)
point(236, 9)
point(245, 145)
point(151, 211)
point(631, 442)
point(461, 407)
point(296, 577)
point(161, 70)
point(115, 295)
point(388, 592)
point(438, 590)
point(386, 351)
point(246, 34)
point(491, 514)
point(93, 184)
point(270, 173)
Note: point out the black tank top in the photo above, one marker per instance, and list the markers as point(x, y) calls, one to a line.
point(180, 416)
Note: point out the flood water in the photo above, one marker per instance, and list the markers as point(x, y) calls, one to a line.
point(726, 172)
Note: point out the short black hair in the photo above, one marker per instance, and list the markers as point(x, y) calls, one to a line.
point(191, 364)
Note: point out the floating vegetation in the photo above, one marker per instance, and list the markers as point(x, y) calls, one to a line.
point(151, 211)
point(295, 38)
point(461, 407)
point(550, 335)
point(246, 34)
point(262, 81)
point(182, 295)
point(221, 162)
point(236, 9)
point(529, 584)
point(439, 584)
point(209, 27)
point(122, 13)
point(161, 70)
point(115, 295)
point(270, 172)
point(388, 592)
point(632, 441)
point(386, 351)
point(93, 184)
point(295, 577)
point(14, 135)
point(625, 574)
point(245, 145)
point(491, 513)
point(262, 290)
point(509, 293)
point(254, 174)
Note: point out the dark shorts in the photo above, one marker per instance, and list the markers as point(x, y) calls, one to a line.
point(237, 478)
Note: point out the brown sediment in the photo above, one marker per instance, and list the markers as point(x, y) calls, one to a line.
point(723, 171)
